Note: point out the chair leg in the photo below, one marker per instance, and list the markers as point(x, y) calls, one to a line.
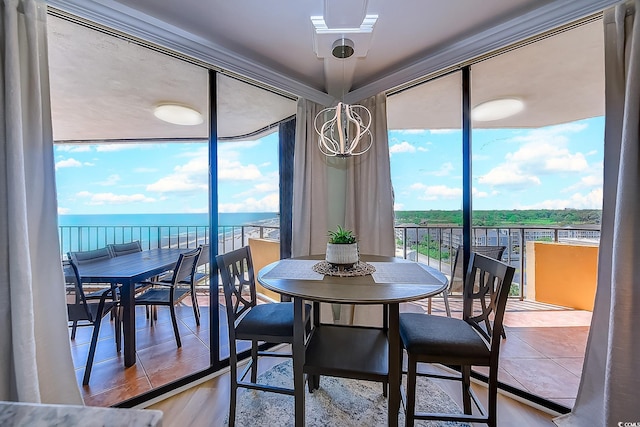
point(74, 327)
point(385, 387)
point(429, 305)
point(411, 392)
point(196, 308)
point(118, 326)
point(492, 406)
point(233, 364)
point(172, 308)
point(447, 307)
point(254, 361)
point(466, 385)
point(92, 351)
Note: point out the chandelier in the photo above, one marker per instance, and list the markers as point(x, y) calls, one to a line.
point(344, 130)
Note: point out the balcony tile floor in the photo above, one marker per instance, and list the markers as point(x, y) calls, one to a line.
point(543, 352)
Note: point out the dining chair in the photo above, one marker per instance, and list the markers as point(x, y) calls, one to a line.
point(455, 284)
point(473, 340)
point(119, 249)
point(85, 310)
point(171, 293)
point(198, 276)
point(248, 320)
point(84, 257)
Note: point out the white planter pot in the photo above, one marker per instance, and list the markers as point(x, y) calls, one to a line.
point(342, 253)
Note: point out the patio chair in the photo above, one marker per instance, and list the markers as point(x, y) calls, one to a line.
point(203, 260)
point(248, 320)
point(84, 310)
point(473, 340)
point(171, 293)
point(119, 249)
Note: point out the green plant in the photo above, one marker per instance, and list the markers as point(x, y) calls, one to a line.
point(341, 236)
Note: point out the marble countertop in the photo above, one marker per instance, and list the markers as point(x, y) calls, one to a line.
point(13, 414)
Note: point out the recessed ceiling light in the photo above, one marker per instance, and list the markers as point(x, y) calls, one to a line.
point(497, 109)
point(178, 114)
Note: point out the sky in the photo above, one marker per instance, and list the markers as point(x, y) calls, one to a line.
point(555, 167)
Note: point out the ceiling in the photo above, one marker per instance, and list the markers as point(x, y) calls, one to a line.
point(104, 87)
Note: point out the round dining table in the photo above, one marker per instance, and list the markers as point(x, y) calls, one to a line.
point(350, 351)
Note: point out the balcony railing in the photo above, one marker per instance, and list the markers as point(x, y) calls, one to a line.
point(432, 245)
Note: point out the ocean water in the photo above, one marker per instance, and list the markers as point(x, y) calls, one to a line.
point(86, 232)
point(177, 219)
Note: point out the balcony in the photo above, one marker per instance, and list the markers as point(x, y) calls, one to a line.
point(543, 352)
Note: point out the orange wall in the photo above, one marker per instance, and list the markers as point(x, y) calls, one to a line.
point(263, 253)
point(562, 274)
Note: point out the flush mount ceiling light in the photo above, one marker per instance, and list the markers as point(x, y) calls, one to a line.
point(497, 109)
point(178, 114)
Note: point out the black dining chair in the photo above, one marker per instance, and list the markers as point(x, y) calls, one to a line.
point(473, 340)
point(85, 310)
point(171, 293)
point(248, 320)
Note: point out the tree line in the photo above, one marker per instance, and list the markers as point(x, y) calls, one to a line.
point(492, 218)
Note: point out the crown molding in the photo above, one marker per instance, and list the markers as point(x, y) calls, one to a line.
point(539, 20)
point(132, 22)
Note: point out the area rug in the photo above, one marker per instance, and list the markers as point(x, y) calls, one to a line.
point(338, 402)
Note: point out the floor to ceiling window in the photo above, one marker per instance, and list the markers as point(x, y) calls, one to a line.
point(536, 190)
point(124, 173)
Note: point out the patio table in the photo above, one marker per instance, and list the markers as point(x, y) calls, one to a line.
point(125, 271)
point(350, 351)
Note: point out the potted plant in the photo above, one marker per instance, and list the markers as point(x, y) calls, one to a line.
point(342, 248)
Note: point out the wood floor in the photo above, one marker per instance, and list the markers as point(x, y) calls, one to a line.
point(543, 353)
point(206, 405)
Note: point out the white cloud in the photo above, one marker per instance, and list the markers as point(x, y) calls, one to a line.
point(509, 175)
point(435, 192)
point(111, 180)
point(73, 148)
point(411, 131)
point(104, 148)
point(423, 149)
point(588, 181)
point(542, 157)
point(190, 177)
point(403, 147)
point(479, 194)
point(233, 170)
point(398, 206)
point(113, 199)
point(68, 163)
point(268, 203)
point(443, 131)
point(444, 170)
point(63, 211)
point(591, 200)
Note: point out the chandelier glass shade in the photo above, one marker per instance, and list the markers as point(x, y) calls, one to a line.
point(344, 130)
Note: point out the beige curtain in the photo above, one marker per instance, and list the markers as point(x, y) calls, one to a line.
point(369, 194)
point(608, 392)
point(35, 361)
point(310, 190)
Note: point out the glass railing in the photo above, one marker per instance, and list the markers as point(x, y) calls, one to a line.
point(432, 245)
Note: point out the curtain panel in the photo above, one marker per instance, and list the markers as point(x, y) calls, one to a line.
point(610, 381)
point(310, 189)
point(35, 362)
point(369, 193)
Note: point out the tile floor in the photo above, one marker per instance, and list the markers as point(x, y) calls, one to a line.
point(543, 352)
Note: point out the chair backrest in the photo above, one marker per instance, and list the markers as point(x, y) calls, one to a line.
point(185, 267)
point(238, 282)
point(119, 249)
point(77, 305)
point(204, 255)
point(83, 257)
point(455, 283)
point(485, 296)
